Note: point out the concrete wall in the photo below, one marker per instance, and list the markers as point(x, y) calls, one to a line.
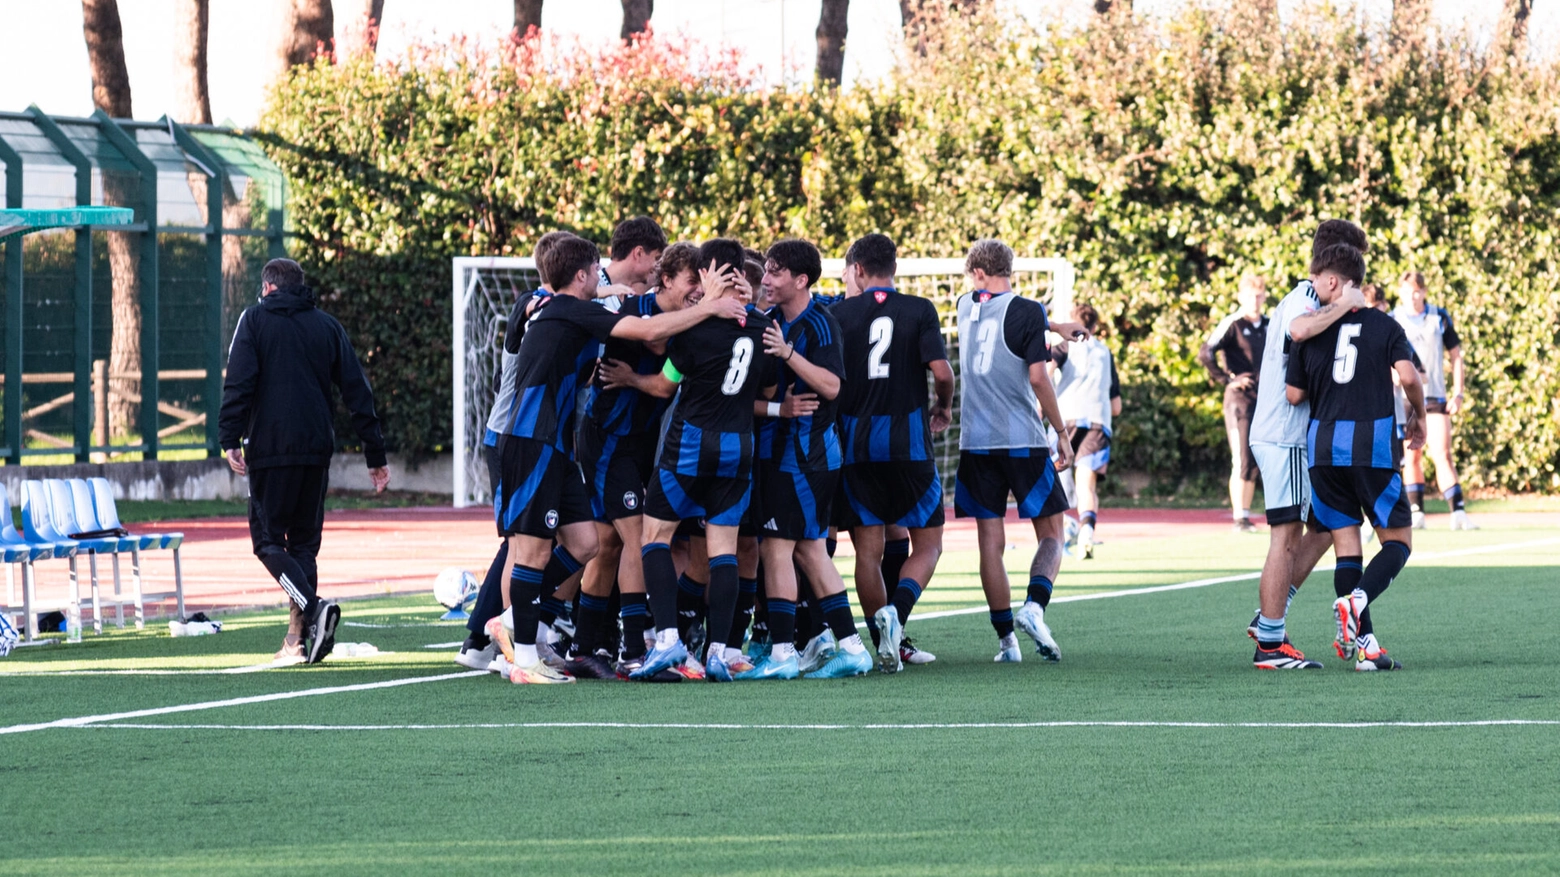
point(212, 479)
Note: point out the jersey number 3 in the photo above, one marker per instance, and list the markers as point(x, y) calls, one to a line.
point(880, 333)
point(1346, 355)
point(737, 369)
point(985, 345)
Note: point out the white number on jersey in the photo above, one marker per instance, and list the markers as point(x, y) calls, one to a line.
point(986, 345)
point(736, 371)
point(1346, 355)
point(880, 333)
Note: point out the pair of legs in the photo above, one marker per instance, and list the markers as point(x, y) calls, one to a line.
point(286, 522)
point(1438, 444)
point(613, 566)
point(870, 543)
point(538, 569)
point(1339, 492)
point(1238, 405)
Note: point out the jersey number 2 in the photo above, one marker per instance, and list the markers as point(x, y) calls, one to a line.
point(1346, 355)
point(880, 333)
point(737, 369)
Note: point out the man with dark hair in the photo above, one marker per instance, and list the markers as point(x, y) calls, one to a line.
point(542, 495)
point(1088, 393)
point(1240, 337)
point(1345, 372)
point(636, 246)
point(891, 340)
point(275, 425)
point(720, 253)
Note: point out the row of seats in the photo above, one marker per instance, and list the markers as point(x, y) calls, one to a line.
point(66, 519)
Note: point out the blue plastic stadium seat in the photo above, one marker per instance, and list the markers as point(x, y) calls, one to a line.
point(105, 516)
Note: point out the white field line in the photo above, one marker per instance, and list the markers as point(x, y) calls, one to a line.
point(454, 645)
point(917, 726)
point(389, 626)
point(1241, 577)
point(226, 671)
point(236, 701)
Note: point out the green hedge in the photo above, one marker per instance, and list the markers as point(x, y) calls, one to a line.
point(1164, 160)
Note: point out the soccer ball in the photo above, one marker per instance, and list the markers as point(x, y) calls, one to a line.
point(455, 588)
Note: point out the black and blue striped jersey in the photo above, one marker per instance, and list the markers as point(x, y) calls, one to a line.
point(890, 338)
point(555, 360)
point(810, 443)
point(626, 411)
point(1346, 372)
point(723, 367)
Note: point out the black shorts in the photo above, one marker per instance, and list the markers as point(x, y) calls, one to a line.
point(1238, 405)
point(717, 501)
point(986, 478)
point(793, 505)
point(539, 490)
point(902, 494)
point(1340, 493)
point(1091, 447)
point(495, 467)
point(616, 469)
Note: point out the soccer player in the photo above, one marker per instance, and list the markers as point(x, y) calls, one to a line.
point(1352, 447)
point(891, 341)
point(1002, 442)
point(798, 471)
point(616, 452)
point(1429, 328)
point(479, 652)
point(542, 496)
point(1240, 337)
point(1088, 393)
point(636, 249)
point(1278, 439)
point(706, 466)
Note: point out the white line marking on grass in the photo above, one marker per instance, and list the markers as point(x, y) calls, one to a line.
point(1241, 577)
point(918, 726)
point(226, 671)
point(454, 645)
point(390, 626)
point(236, 701)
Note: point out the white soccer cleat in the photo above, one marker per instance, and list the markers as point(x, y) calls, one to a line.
point(1346, 612)
point(501, 666)
point(818, 652)
point(1030, 618)
point(477, 659)
point(1010, 653)
point(1460, 521)
point(890, 636)
point(1086, 540)
point(1416, 520)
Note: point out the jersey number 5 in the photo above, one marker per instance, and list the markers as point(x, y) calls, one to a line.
point(880, 333)
point(737, 369)
point(1346, 355)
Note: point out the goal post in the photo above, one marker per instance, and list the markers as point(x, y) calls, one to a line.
point(484, 289)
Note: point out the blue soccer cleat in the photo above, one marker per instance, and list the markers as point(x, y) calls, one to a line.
point(890, 636)
point(769, 668)
point(715, 668)
point(661, 658)
point(844, 664)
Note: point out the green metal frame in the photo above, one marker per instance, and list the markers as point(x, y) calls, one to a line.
point(119, 134)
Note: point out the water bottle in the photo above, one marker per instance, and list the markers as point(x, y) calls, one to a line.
point(73, 623)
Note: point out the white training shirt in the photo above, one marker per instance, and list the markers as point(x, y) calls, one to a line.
point(1275, 421)
point(1083, 385)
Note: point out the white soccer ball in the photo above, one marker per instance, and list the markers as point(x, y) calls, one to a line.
point(455, 588)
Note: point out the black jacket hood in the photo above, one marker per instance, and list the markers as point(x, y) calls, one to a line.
point(289, 299)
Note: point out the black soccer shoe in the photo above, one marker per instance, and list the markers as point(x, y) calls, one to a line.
point(1285, 657)
point(323, 632)
point(588, 667)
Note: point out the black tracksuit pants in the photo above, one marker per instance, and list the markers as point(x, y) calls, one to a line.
point(286, 517)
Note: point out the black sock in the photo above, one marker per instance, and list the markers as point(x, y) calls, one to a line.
point(525, 585)
point(1416, 497)
point(1384, 567)
point(836, 612)
point(636, 620)
point(1089, 518)
point(782, 620)
point(905, 596)
point(590, 617)
point(1039, 591)
point(1346, 576)
point(830, 544)
point(660, 584)
point(872, 630)
point(1454, 495)
point(490, 597)
point(747, 595)
point(552, 609)
point(610, 637)
point(723, 598)
point(895, 553)
point(814, 622)
point(559, 567)
point(690, 604)
point(1002, 622)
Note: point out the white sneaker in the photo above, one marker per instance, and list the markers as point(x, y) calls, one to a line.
point(1030, 618)
point(1346, 613)
point(477, 659)
point(1011, 653)
point(501, 666)
point(818, 652)
point(1086, 540)
point(1460, 521)
point(1416, 520)
point(890, 635)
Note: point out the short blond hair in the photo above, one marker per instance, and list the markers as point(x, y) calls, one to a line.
point(1254, 282)
point(991, 256)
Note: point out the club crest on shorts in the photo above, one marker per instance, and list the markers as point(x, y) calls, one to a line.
point(630, 500)
point(551, 519)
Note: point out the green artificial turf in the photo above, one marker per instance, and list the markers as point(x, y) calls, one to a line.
point(894, 800)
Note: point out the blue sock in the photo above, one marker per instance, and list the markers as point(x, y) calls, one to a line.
point(1002, 622)
point(1039, 590)
point(1270, 632)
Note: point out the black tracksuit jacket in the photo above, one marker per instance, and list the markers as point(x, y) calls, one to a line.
point(276, 401)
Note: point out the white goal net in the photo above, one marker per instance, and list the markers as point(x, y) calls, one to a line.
point(485, 289)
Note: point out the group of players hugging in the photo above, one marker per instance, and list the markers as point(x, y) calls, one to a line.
point(677, 437)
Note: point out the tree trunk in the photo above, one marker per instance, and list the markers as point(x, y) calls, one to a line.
point(192, 99)
point(360, 29)
point(832, 25)
point(106, 57)
point(308, 29)
point(636, 17)
point(1410, 23)
point(1512, 30)
point(111, 94)
point(528, 15)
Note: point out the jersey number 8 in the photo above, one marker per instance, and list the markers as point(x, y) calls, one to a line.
point(1346, 355)
point(880, 333)
point(737, 369)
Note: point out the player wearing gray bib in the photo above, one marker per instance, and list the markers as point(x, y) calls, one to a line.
point(1430, 331)
point(1089, 395)
point(1002, 442)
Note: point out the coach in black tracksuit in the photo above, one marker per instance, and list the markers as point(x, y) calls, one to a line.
point(276, 406)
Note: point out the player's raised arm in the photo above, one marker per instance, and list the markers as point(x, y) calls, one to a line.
point(663, 326)
point(820, 379)
point(1308, 326)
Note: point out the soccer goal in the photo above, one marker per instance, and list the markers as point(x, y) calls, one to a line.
point(485, 288)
